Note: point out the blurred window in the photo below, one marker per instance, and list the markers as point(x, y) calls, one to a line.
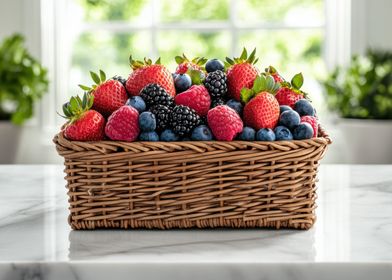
point(101, 34)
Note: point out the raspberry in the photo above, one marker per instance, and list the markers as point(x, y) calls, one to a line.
point(224, 122)
point(313, 122)
point(123, 124)
point(196, 98)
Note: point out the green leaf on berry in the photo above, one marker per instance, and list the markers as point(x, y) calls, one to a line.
point(196, 76)
point(179, 59)
point(85, 88)
point(230, 61)
point(297, 81)
point(102, 75)
point(244, 54)
point(246, 95)
point(95, 78)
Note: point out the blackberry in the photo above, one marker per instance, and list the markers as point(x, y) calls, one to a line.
point(216, 84)
point(162, 116)
point(154, 94)
point(184, 120)
point(120, 79)
point(217, 102)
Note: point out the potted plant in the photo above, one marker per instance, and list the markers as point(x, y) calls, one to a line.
point(361, 94)
point(23, 81)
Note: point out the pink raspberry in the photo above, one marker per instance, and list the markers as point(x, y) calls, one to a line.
point(123, 124)
point(224, 122)
point(313, 122)
point(197, 98)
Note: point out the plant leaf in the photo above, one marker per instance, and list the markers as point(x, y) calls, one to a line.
point(196, 76)
point(86, 88)
point(252, 57)
point(246, 95)
point(244, 54)
point(297, 81)
point(230, 61)
point(102, 75)
point(179, 59)
point(95, 77)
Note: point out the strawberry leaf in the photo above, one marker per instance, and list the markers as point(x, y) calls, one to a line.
point(158, 61)
point(244, 54)
point(196, 76)
point(297, 81)
point(95, 78)
point(86, 88)
point(230, 61)
point(258, 84)
point(246, 95)
point(102, 75)
point(252, 57)
point(179, 59)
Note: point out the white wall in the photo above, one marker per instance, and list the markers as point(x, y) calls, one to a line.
point(11, 19)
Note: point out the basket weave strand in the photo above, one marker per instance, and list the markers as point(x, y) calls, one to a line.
point(192, 184)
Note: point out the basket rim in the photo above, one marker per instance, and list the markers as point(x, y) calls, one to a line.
point(322, 135)
point(106, 145)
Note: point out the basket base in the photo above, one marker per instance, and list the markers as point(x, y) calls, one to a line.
point(188, 224)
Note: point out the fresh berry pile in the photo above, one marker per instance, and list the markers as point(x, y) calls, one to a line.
point(202, 100)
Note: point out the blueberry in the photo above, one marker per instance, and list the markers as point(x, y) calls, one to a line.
point(265, 134)
point(235, 105)
point(304, 108)
point(214, 64)
point(174, 75)
point(137, 102)
point(283, 133)
point(168, 135)
point(149, 136)
point(147, 122)
point(201, 133)
point(186, 139)
point(303, 131)
point(284, 108)
point(247, 134)
point(182, 82)
point(289, 119)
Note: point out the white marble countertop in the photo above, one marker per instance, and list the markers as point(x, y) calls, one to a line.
point(352, 238)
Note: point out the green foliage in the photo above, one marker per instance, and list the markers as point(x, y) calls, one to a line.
point(261, 84)
point(22, 80)
point(364, 89)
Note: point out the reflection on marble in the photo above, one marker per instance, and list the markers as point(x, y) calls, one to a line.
point(351, 238)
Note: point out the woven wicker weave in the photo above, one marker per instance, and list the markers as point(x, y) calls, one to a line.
point(192, 184)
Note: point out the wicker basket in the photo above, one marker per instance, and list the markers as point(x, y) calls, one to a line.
point(192, 184)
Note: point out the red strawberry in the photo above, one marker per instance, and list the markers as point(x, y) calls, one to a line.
point(313, 122)
point(109, 95)
point(84, 124)
point(272, 71)
point(290, 93)
point(197, 98)
point(241, 73)
point(145, 73)
point(224, 122)
point(184, 64)
point(262, 111)
point(123, 124)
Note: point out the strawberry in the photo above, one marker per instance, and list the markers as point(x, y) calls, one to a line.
point(84, 124)
point(290, 93)
point(313, 122)
point(145, 73)
point(197, 98)
point(109, 95)
point(185, 65)
point(262, 111)
point(272, 71)
point(123, 124)
point(224, 122)
point(241, 73)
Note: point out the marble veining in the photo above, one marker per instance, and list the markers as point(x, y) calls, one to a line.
point(352, 236)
